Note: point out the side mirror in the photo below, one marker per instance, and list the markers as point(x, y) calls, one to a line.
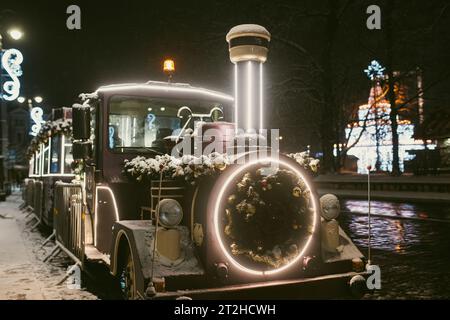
point(81, 121)
point(82, 150)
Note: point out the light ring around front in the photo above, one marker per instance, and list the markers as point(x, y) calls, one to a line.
point(217, 211)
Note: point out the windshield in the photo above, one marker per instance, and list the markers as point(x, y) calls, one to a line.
point(142, 123)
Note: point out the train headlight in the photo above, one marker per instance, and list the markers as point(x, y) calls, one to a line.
point(169, 213)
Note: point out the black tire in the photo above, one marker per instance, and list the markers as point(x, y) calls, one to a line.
point(126, 276)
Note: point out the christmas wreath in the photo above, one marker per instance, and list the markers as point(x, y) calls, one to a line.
point(267, 219)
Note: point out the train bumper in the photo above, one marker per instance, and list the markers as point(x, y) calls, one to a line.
point(351, 285)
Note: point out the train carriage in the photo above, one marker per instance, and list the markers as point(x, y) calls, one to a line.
point(50, 160)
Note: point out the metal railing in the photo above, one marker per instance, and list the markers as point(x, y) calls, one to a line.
point(170, 189)
point(37, 199)
point(32, 195)
point(29, 193)
point(68, 222)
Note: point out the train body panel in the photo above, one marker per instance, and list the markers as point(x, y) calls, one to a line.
point(173, 258)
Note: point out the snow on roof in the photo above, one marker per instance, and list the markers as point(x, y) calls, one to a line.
point(168, 86)
point(248, 30)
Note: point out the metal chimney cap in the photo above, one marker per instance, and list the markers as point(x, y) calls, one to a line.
point(248, 42)
point(245, 30)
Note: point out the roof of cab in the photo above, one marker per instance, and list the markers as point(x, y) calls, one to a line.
point(164, 87)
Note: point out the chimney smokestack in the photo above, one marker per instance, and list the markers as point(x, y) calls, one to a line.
point(248, 46)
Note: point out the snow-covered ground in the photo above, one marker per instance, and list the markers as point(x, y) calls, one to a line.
point(23, 275)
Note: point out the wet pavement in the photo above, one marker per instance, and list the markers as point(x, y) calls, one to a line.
point(410, 243)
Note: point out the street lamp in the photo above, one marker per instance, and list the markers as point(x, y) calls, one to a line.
point(37, 99)
point(10, 71)
point(15, 34)
point(9, 65)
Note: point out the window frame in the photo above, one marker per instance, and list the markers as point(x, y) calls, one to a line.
point(46, 153)
point(143, 151)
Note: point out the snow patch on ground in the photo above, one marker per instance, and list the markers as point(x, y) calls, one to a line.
point(23, 275)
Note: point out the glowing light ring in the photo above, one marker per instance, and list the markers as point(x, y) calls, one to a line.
point(216, 214)
point(11, 61)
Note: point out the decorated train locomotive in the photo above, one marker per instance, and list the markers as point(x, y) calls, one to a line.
point(178, 200)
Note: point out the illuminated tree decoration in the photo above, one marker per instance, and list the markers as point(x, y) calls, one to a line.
point(373, 123)
point(375, 70)
point(11, 61)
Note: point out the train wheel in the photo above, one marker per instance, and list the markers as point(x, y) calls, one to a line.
point(127, 277)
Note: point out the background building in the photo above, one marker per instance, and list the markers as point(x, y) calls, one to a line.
point(19, 138)
point(371, 135)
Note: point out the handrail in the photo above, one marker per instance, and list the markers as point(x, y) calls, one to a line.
point(68, 220)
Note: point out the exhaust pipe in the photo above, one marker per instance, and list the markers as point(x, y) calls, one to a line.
point(248, 47)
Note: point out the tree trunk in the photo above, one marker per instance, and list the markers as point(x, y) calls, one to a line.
point(394, 111)
point(328, 119)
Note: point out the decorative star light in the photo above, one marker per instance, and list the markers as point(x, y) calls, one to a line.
point(375, 70)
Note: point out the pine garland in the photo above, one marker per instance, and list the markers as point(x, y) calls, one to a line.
point(49, 129)
point(188, 167)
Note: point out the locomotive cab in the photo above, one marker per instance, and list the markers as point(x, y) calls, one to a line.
point(119, 123)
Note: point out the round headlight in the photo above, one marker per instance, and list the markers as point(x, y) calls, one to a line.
point(169, 212)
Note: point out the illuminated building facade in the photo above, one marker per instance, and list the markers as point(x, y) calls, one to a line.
point(372, 131)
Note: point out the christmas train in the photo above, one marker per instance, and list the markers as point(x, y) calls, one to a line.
point(146, 196)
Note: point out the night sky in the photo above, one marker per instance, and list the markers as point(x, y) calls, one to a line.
point(127, 42)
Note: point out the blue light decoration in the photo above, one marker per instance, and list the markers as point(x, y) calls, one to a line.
point(150, 119)
point(375, 70)
point(111, 137)
point(11, 61)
